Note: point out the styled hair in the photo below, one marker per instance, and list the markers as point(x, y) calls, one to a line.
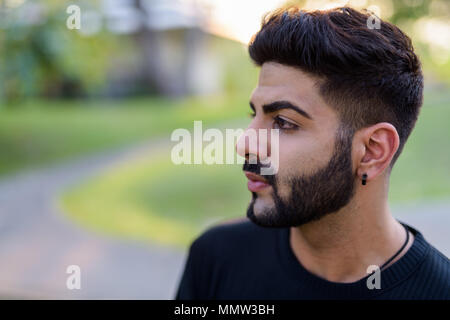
point(369, 75)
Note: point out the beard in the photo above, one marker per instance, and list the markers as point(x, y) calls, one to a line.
point(312, 196)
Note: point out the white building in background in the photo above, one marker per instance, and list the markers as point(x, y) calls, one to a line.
point(175, 57)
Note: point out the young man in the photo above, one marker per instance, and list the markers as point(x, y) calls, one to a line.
point(345, 98)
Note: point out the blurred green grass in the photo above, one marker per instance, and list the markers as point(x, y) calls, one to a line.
point(46, 132)
point(150, 198)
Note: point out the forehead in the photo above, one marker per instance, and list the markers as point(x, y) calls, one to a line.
point(280, 82)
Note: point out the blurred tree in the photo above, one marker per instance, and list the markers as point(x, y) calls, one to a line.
point(40, 56)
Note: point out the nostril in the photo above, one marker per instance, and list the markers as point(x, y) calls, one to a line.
point(252, 158)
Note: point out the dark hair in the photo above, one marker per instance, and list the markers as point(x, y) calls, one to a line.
point(368, 75)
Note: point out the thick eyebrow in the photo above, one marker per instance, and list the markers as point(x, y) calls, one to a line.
point(278, 105)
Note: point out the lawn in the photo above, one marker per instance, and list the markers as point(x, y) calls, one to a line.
point(149, 198)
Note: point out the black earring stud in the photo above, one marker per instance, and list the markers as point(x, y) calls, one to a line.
point(364, 179)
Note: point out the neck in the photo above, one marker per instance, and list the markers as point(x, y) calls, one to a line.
point(342, 245)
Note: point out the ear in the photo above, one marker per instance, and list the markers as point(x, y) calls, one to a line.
point(375, 147)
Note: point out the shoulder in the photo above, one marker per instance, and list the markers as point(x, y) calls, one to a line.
point(435, 262)
point(235, 237)
point(229, 230)
point(438, 264)
point(435, 271)
point(230, 248)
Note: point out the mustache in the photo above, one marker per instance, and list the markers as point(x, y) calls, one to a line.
point(256, 169)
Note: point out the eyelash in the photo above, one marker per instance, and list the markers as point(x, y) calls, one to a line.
point(280, 121)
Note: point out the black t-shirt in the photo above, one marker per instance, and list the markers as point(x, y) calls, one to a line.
point(244, 261)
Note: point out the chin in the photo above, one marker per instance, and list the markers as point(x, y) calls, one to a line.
point(261, 212)
point(262, 204)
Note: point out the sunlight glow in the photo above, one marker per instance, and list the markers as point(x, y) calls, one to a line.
point(436, 33)
point(238, 19)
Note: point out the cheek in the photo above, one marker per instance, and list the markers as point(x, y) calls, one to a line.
point(299, 156)
point(295, 158)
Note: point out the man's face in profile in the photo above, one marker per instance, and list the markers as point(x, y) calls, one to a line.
point(315, 175)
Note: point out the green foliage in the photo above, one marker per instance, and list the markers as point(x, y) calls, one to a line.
point(45, 58)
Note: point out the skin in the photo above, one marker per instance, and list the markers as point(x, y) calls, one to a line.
point(339, 247)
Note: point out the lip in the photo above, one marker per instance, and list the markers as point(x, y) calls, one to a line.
point(256, 182)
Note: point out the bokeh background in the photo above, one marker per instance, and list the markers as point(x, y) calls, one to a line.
point(85, 121)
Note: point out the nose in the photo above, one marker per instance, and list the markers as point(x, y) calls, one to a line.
point(254, 144)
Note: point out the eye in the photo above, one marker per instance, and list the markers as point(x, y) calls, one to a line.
point(252, 114)
point(282, 124)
